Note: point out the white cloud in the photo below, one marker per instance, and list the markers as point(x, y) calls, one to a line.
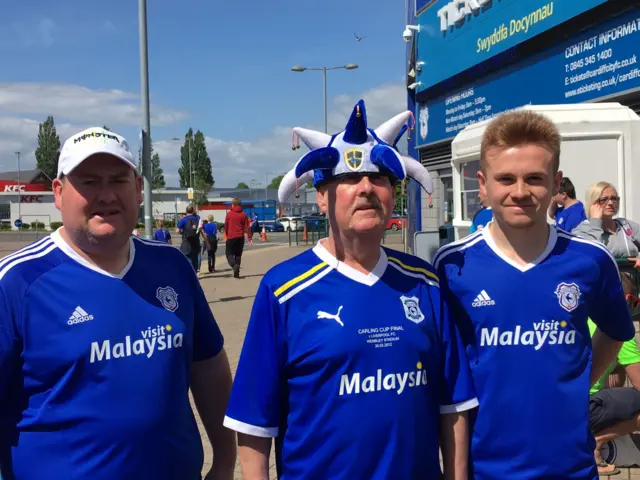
point(234, 162)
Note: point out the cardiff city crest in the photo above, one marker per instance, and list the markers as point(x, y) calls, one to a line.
point(568, 296)
point(168, 298)
point(354, 158)
point(412, 309)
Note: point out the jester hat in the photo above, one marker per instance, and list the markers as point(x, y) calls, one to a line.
point(356, 150)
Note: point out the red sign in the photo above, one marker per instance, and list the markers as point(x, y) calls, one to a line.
point(14, 187)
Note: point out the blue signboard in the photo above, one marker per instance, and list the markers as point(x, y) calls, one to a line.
point(457, 34)
point(599, 62)
point(18, 223)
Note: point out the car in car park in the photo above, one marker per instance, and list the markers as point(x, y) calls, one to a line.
point(396, 222)
point(291, 224)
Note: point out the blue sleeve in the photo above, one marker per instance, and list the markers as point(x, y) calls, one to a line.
point(457, 391)
point(608, 307)
point(156, 235)
point(181, 222)
point(256, 398)
point(214, 228)
point(207, 338)
point(574, 219)
point(9, 347)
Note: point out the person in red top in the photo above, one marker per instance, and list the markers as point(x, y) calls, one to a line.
point(236, 225)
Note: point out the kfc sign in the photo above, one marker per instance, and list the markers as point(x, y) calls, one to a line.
point(31, 199)
point(14, 188)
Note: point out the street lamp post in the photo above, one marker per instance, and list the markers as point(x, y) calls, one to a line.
point(146, 131)
point(298, 68)
point(19, 194)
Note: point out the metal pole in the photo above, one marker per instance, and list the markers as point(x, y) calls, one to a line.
point(266, 179)
point(324, 83)
point(146, 131)
point(19, 198)
point(190, 162)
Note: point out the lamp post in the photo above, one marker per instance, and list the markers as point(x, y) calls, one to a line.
point(19, 194)
point(350, 66)
point(190, 162)
point(146, 129)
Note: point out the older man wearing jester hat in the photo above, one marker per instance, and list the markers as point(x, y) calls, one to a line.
point(350, 361)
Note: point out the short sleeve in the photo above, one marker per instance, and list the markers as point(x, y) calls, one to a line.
point(9, 346)
point(608, 308)
point(256, 398)
point(207, 338)
point(457, 392)
point(181, 222)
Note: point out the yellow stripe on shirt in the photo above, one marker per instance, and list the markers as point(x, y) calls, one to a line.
point(299, 279)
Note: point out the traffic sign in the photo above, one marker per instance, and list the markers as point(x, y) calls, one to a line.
point(190, 193)
point(18, 223)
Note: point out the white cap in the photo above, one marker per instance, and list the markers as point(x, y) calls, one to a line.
point(90, 142)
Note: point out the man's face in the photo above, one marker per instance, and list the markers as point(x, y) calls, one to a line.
point(358, 203)
point(519, 183)
point(100, 198)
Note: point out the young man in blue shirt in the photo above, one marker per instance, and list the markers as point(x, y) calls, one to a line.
point(350, 361)
point(101, 337)
point(522, 291)
point(565, 209)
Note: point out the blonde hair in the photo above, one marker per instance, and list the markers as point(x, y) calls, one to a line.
point(519, 128)
point(210, 218)
point(594, 192)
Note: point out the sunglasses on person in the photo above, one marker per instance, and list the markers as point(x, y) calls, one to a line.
point(605, 200)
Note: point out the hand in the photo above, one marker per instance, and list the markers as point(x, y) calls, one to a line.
point(637, 264)
point(596, 210)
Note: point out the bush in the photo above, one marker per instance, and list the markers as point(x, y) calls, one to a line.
point(5, 226)
point(26, 226)
point(37, 225)
point(220, 226)
point(55, 225)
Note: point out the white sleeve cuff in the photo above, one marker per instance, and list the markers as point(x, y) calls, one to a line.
point(459, 407)
point(265, 432)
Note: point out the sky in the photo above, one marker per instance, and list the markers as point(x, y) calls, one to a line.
point(220, 67)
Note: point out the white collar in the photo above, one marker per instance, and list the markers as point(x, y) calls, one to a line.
point(551, 243)
point(70, 252)
point(367, 279)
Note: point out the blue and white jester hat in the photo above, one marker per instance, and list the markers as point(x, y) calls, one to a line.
point(356, 150)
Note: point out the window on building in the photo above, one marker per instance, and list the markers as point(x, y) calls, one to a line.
point(469, 189)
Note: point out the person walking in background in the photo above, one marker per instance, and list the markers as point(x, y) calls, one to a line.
point(211, 233)
point(565, 209)
point(619, 235)
point(236, 226)
point(188, 226)
point(162, 233)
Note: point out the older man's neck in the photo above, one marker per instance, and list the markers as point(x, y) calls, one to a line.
point(112, 261)
point(361, 253)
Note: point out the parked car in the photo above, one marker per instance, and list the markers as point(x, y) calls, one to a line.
point(272, 226)
point(315, 222)
point(396, 222)
point(291, 224)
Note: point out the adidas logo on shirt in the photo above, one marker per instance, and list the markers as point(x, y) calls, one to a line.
point(483, 300)
point(79, 316)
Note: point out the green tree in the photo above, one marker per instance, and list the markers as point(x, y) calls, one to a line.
point(275, 182)
point(242, 185)
point(48, 150)
point(196, 164)
point(201, 192)
point(157, 175)
point(401, 200)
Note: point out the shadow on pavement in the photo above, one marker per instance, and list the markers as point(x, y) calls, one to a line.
point(231, 299)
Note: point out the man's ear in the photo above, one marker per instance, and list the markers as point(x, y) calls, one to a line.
point(57, 185)
point(322, 198)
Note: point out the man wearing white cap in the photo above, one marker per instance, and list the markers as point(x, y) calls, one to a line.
point(350, 361)
point(101, 335)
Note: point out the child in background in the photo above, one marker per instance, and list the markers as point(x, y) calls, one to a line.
point(161, 234)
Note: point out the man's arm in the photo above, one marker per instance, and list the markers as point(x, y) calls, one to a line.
point(254, 456)
point(454, 441)
point(633, 372)
point(605, 351)
point(211, 385)
point(553, 208)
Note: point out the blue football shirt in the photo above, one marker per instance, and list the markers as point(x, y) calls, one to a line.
point(481, 218)
point(95, 367)
point(350, 372)
point(526, 334)
point(569, 218)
